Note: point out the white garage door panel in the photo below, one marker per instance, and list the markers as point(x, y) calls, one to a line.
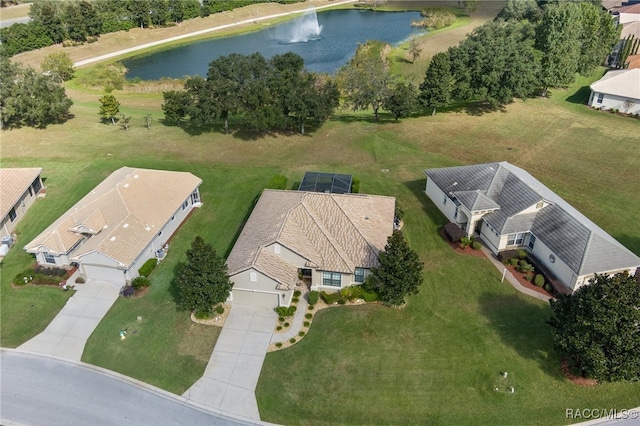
point(241, 297)
point(102, 273)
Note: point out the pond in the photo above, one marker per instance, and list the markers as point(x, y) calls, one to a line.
point(325, 41)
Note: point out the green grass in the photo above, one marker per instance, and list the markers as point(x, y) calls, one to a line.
point(436, 361)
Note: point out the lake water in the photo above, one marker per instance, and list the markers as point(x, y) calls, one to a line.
point(340, 33)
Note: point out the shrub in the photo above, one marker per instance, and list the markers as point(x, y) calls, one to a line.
point(301, 333)
point(202, 314)
point(522, 254)
point(140, 282)
point(295, 300)
point(49, 272)
point(277, 182)
point(306, 323)
point(476, 245)
point(313, 297)
point(525, 267)
point(454, 232)
point(80, 280)
point(330, 298)
point(281, 319)
point(528, 276)
point(341, 301)
point(465, 242)
point(286, 324)
point(292, 340)
point(350, 293)
point(220, 309)
point(147, 268)
point(435, 19)
point(278, 345)
point(513, 261)
point(548, 287)
point(507, 255)
point(355, 185)
point(539, 280)
point(128, 291)
point(297, 293)
point(369, 296)
point(308, 316)
point(279, 328)
point(284, 311)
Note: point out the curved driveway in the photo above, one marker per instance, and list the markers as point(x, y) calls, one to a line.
point(40, 390)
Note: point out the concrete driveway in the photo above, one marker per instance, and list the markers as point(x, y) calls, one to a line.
point(67, 334)
point(230, 379)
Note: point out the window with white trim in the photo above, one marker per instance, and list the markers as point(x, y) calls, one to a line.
point(12, 214)
point(49, 258)
point(358, 275)
point(332, 279)
point(515, 239)
point(185, 204)
point(532, 241)
point(600, 98)
point(195, 197)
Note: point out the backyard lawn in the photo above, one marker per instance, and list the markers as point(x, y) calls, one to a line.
point(436, 361)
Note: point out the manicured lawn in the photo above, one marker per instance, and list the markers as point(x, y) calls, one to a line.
point(436, 361)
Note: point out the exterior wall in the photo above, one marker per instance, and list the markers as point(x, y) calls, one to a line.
point(558, 268)
point(489, 236)
point(345, 281)
point(625, 18)
point(584, 279)
point(61, 261)
point(447, 208)
point(614, 102)
point(20, 208)
point(263, 284)
point(288, 255)
point(97, 266)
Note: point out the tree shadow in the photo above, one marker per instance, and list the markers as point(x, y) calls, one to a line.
point(417, 188)
point(520, 324)
point(481, 108)
point(242, 224)
point(384, 118)
point(174, 291)
point(581, 96)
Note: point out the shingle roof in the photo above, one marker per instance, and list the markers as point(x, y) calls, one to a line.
point(630, 29)
point(14, 182)
point(625, 83)
point(333, 232)
point(123, 214)
point(581, 244)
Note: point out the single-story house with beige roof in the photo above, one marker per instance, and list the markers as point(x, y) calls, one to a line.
point(19, 188)
point(124, 221)
point(619, 89)
point(332, 239)
point(507, 208)
point(627, 12)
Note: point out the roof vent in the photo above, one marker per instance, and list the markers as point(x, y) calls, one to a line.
point(454, 183)
point(366, 218)
point(147, 227)
point(126, 185)
point(112, 239)
point(135, 176)
point(126, 225)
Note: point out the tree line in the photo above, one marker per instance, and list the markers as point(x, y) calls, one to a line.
point(524, 52)
point(79, 21)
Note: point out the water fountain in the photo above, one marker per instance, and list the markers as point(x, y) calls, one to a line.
point(301, 30)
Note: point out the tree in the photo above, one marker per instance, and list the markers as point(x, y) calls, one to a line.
point(365, 80)
point(147, 120)
point(59, 66)
point(496, 63)
point(435, 90)
point(49, 14)
point(203, 281)
point(470, 5)
point(414, 49)
point(399, 273)
point(109, 108)
point(402, 100)
point(599, 35)
point(518, 10)
point(597, 327)
point(125, 120)
point(175, 105)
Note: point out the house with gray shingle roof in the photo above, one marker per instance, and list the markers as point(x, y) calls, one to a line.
point(120, 224)
point(332, 238)
point(19, 188)
point(521, 213)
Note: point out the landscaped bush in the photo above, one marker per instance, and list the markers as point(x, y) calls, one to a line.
point(506, 255)
point(330, 298)
point(341, 301)
point(284, 311)
point(310, 307)
point(297, 293)
point(539, 280)
point(454, 232)
point(525, 267)
point(308, 316)
point(80, 280)
point(278, 345)
point(295, 300)
point(140, 282)
point(30, 276)
point(465, 242)
point(128, 291)
point(286, 324)
point(292, 340)
point(301, 334)
point(50, 272)
point(350, 293)
point(279, 328)
point(147, 268)
point(476, 245)
point(202, 314)
point(306, 323)
point(513, 261)
point(220, 309)
point(522, 254)
point(281, 319)
point(368, 296)
point(528, 276)
point(313, 297)
point(548, 287)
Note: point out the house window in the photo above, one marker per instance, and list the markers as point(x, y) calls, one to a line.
point(331, 279)
point(358, 275)
point(185, 204)
point(445, 200)
point(195, 197)
point(173, 218)
point(515, 239)
point(36, 185)
point(30, 192)
point(532, 241)
point(49, 258)
point(600, 98)
point(12, 214)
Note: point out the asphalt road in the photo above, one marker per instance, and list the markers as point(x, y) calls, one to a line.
point(38, 390)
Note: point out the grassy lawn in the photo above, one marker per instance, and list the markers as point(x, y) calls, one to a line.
point(436, 361)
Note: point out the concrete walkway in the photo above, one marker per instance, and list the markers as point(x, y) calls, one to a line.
point(296, 323)
point(510, 278)
point(67, 334)
point(230, 379)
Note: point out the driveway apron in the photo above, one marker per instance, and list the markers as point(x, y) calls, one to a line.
point(230, 379)
point(67, 334)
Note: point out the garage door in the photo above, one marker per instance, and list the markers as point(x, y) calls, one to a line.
point(241, 297)
point(102, 273)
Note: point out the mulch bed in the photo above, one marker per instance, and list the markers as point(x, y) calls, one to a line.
point(456, 246)
point(576, 380)
point(528, 284)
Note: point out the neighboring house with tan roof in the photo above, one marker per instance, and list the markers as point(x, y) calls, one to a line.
point(333, 239)
point(19, 188)
point(124, 221)
point(633, 61)
point(508, 208)
point(619, 89)
point(628, 12)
